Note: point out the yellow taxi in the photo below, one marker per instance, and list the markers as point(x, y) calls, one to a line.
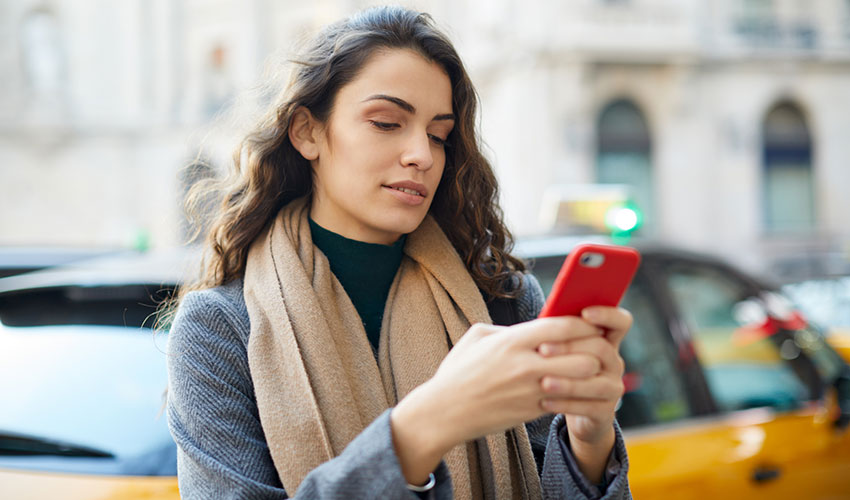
point(18, 485)
point(730, 392)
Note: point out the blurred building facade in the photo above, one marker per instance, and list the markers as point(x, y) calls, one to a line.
point(727, 118)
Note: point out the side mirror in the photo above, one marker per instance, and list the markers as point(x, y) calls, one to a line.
point(755, 323)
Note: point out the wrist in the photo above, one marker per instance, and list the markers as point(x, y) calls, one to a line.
point(421, 433)
point(590, 436)
point(592, 456)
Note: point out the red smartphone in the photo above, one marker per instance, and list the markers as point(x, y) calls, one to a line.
point(592, 275)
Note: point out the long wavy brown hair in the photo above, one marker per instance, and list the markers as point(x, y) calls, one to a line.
point(268, 172)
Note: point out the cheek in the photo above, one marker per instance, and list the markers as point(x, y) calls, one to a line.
point(348, 163)
point(439, 166)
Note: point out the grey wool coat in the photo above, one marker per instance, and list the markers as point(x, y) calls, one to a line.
point(222, 452)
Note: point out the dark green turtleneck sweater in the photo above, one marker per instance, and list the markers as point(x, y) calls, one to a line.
point(365, 270)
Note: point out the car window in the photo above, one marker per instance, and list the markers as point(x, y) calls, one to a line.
point(825, 301)
point(744, 365)
point(126, 305)
point(655, 391)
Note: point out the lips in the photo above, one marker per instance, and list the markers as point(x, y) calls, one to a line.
point(408, 191)
point(409, 187)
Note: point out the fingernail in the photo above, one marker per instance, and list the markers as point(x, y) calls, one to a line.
point(545, 349)
point(590, 314)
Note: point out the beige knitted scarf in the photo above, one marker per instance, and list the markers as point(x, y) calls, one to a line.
point(316, 379)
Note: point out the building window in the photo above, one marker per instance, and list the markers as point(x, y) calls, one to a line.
point(788, 182)
point(846, 22)
point(42, 55)
point(624, 155)
point(218, 82)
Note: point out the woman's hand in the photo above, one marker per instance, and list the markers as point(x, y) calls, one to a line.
point(495, 373)
point(489, 381)
point(589, 404)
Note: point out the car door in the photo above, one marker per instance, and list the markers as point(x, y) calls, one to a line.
point(772, 435)
point(671, 444)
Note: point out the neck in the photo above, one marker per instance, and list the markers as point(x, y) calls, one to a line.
point(365, 270)
point(352, 230)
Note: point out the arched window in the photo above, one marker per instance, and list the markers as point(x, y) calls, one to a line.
point(42, 56)
point(788, 184)
point(623, 154)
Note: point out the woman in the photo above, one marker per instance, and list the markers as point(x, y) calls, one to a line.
point(338, 345)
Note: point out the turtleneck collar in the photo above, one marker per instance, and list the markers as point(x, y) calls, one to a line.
point(365, 270)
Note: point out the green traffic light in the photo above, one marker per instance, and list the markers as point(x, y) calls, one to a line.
point(624, 218)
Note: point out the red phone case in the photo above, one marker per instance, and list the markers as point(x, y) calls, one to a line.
point(578, 286)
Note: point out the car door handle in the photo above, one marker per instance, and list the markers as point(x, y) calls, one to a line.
point(764, 474)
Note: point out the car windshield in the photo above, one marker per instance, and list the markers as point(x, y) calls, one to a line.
point(82, 391)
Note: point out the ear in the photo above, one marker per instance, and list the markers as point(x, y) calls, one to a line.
point(303, 133)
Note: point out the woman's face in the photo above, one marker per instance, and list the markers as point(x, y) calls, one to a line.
point(382, 153)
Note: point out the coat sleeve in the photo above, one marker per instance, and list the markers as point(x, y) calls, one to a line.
point(213, 417)
point(560, 475)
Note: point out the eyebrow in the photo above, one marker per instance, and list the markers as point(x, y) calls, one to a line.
point(405, 105)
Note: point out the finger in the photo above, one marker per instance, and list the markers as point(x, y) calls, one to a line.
point(556, 329)
point(610, 318)
point(603, 388)
point(570, 366)
point(579, 407)
point(614, 319)
point(481, 330)
point(550, 349)
point(598, 347)
point(603, 350)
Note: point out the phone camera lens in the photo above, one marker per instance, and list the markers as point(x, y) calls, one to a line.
point(591, 259)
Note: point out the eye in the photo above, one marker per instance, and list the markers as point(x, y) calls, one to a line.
point(384, 125)
point(438, 141)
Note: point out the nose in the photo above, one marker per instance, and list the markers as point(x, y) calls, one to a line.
point(417, 151)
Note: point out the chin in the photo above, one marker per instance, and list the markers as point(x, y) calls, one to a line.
point(406, 224)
